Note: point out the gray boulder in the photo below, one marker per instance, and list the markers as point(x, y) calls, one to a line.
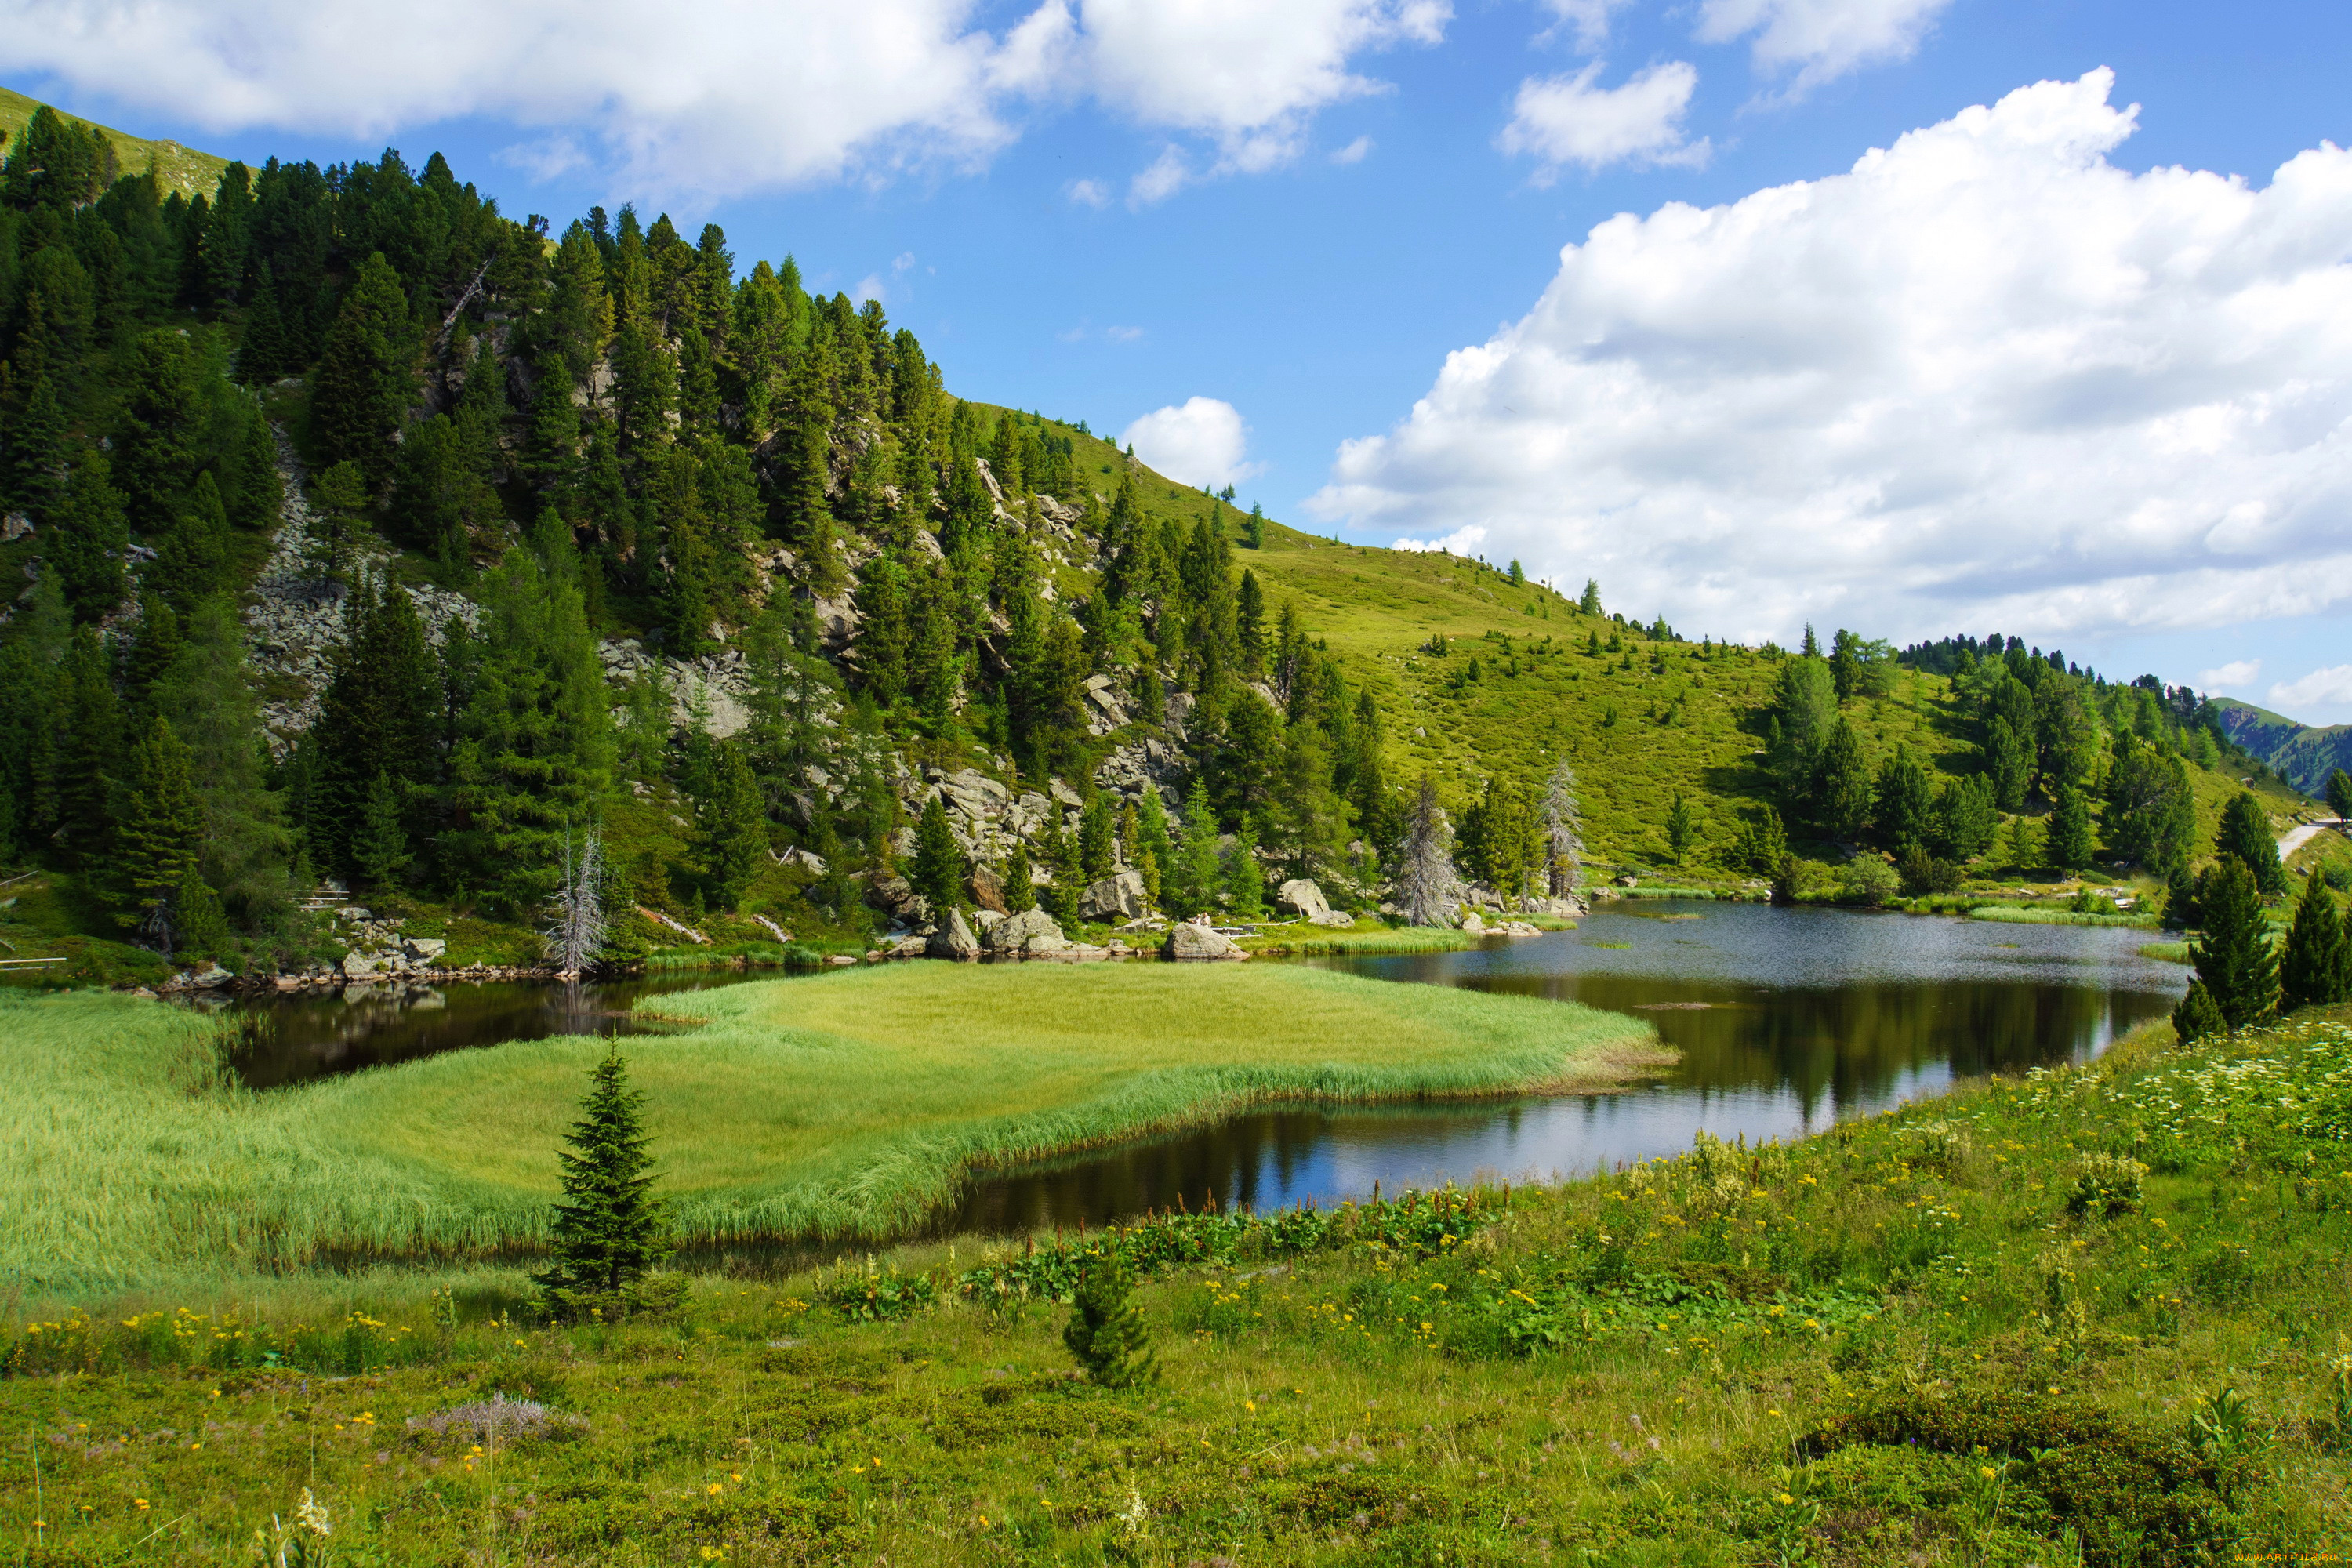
point(211, 977)
point(425, 949)
point(1030, 932)
point(1192, 942)
point(1301, 893)
point(1338, 920)
point(1472, 925)
point(1118, 897)
point(360, 966)
point(953, 939)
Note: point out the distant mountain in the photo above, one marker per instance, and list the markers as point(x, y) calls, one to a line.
point(176, 168)
point(2303, 756)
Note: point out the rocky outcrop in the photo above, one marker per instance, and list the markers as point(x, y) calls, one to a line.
point(1196, 941)
point(953, 939)
point(1118, 897)
point(1472, 925)
point(1032, 934)
point(1302, 895)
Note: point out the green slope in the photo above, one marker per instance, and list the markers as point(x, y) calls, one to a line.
point(176, 168)
point(2304, 755)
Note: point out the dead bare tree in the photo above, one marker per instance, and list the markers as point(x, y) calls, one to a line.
point(1563, 833)
point(1428, 887)
point(575, 929)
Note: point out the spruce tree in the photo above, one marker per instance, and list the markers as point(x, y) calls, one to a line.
point(89, 531)
point(2069, 847)
point(1841, 789)
point(2180, 899)
point(379, 843)
point(1094, 841)
point(2313, 968)
point(2197, 1017)
point(1020, 883)
point(2339, 794)
point(1189, 882)
point(1152, 846)
point(158, 830)
point(208, 691)
point(610, 1229)
point(1902, 803)
point(2009, 761)
point(1105, 1330)
point(1245, 877)
point(1679, 826)
point(365, 379)
point(2245, 832)
point(192, 560)
point(2235, 960)
point(937, 870)
point(731, 828)
point(199, 925)
point(1427, 885)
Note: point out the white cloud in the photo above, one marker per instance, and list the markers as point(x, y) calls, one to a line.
point(869, 287)
point(727, 95)
point(2237, 672)
point(1985, 378)
point(1567, 119)
point(1162, 178)
point(2331, 687)
point(1090, 192)
point(1463, 541)
point(1122, 334)
point(1821, 39)
point(1202, 442)
point(1588, 17)
point(1354, 152)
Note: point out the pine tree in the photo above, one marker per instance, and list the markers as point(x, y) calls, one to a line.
point(1245, 877)
point(88, 533)
point(2197, 1017)
point(1804, 715)
point(1095, 842)
point(1105, 1330)
point(937, 870)
point(263, 353)
point(2245, 832)
point(1589, 602)
point(2180, 899)
point(157, 832)
point(2028, 845)
point(199, 925)
point(1679, 826)
point(379, 843)
point(1841, 789)
point(731, 828)
point(2313, 968)
point(2235, 959)
point(207, 687)
point(2009, 761)
point(2069, 847)
point(610, 1229)
point(365, 379)
point(2339, 794)
point(1020, 881)
point(1189, 882)
point(192, 560)
point(1152, 844)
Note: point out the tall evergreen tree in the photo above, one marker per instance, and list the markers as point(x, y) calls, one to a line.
point(2245, 832)
point(90, 535)
point(208, 691)
point(2235, 961)
point(610, 1229)
point(1245, 877)
point(379, 840)
point(2339, 794)
point(1189, 882)
point(937, 870)
point(1561, 825)
point(365, 378)
point(158, 830)
point(1842, 786)
point(2069, 847)
point(1427, 886)
point(2317, 962)
point(731, 828)
point(1020, 884)
point(534, 751)
point(1804, 715)
point(1902, 803)
point(2009, 761)
point(1680, 827)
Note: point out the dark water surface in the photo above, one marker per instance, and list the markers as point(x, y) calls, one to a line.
point(317, 1034)
point(1787, 1020)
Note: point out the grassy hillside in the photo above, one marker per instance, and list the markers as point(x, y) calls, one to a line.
point(2303, 754)
point(176, 168)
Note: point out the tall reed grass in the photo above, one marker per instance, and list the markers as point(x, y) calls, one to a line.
point(847, 1107)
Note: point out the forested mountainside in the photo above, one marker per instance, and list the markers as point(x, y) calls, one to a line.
point(2306, 755)
point(370, 534)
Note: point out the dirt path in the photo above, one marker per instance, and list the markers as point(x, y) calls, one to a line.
point(2305, 834)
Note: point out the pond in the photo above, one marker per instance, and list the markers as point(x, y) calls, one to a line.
point(1787, 1020)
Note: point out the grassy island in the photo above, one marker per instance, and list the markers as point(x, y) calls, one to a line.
point(842, 1106)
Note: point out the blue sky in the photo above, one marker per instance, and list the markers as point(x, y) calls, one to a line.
point(2015, 376)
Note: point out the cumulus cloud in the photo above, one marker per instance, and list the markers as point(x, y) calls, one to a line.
point(1567, 119)
point(2331, 688)
point(1202, 441)
point(1090, 192)
point(1985, 378)
point(1820, 40)
point(1463, 541)
point(2237, 672)
point(1354, 152)
point(725, 95)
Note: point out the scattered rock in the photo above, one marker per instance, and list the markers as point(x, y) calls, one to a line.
point(1472, 925)
point(1302, 894)
point(1032, 932)
point(360, 966)
point(1338, 920)
point(211, 977)
point(1118, 896)
point(1195, 939)
point(953, 939)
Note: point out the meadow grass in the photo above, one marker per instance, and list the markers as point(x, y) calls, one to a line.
point(2096, 1316)
point(847, 1105)
point(2012, 914)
